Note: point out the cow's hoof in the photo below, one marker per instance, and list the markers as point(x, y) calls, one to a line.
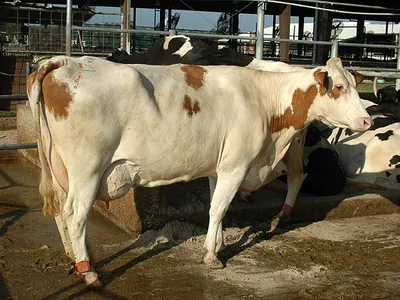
point(279, 220)
point(274, 224)
point(212, 262)
point(95, 285)
point(92, 280)
point(246, 197)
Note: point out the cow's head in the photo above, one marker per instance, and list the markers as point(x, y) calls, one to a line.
point(340, 104)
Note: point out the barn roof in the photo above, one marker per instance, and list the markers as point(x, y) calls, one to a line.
point(247, 6)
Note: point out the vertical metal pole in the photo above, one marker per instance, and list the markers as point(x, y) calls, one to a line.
point(314, 48)
point(300, 36)
point(123, 16)
point(260, 30)
point(335, 49)
point(273, 44)
point(128, 26)
point(398, 61)
point(68, 29)
point(27, 71)
point(169, 16)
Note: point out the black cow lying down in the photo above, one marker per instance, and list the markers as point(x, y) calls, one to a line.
point(325, 175)
point(169, 51)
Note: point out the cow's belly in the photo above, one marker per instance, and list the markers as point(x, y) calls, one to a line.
point(123, 174)
point(256, 178)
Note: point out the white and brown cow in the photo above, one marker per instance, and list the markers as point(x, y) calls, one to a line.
point(105, 127)
point(323, 174)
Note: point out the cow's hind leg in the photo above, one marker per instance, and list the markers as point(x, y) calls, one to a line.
point(225, 190)
point(220, 245)
point(80, 200)
point(295, 178)
point(62, 224)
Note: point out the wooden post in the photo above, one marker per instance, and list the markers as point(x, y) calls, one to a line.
point(284, 25)
point(324, 29)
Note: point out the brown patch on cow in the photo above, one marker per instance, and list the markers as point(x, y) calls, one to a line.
point(301, 102)
point(322, 79)
point(57, 97)
point(187, 105)
point(358, 77)
point(194, 76)
point(29, 82)
point(335, 93)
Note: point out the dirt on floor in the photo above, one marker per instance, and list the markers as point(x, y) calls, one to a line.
point(354, 258)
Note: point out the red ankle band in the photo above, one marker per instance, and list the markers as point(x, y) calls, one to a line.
point(82, 267)
point(287, 209)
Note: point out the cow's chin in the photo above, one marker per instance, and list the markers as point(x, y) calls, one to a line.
point(332, 123)
point(360, 124)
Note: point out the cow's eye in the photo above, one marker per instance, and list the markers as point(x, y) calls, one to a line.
point(339, 87)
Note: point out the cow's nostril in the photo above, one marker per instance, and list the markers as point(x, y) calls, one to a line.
point(368, 123)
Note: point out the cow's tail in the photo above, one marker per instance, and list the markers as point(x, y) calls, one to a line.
point(51, 207)
point(375, 88)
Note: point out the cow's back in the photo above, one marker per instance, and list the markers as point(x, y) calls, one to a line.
point(162, 119)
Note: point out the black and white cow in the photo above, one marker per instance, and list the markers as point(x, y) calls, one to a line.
point(182, 49)
point(372, 158)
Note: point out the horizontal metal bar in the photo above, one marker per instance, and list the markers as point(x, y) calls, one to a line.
point(333, 10)
point(14, 97)
point(369, 45)
point(349, 4)
point(381, 74)
point(236, 37)
point(298, 41)
point(18, 146)
point(105, 29)
point(366, 69)
point(219, 36)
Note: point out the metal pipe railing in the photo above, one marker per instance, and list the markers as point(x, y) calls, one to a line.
point(14, 97)
point(18, 146)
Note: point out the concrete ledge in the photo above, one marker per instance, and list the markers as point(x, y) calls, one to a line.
point(7, 123)
point(26, 132)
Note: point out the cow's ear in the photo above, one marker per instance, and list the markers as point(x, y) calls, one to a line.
point(321, 77)
point(358, 77)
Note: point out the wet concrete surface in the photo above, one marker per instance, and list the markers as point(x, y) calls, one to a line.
point(350, 258)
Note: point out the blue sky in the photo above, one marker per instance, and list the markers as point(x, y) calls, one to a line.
point(188, 19)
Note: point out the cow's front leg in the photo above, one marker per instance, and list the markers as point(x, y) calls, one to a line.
point(225, 190)
point(79, 202)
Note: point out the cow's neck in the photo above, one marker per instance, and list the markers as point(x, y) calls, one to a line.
point(290, 105)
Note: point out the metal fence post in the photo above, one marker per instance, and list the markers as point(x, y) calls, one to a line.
point(335, 49)
point(172, 32)
point(27, 70)
point(260, 30)
point(315, 36)
point(68, 29)
point(398, 61)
